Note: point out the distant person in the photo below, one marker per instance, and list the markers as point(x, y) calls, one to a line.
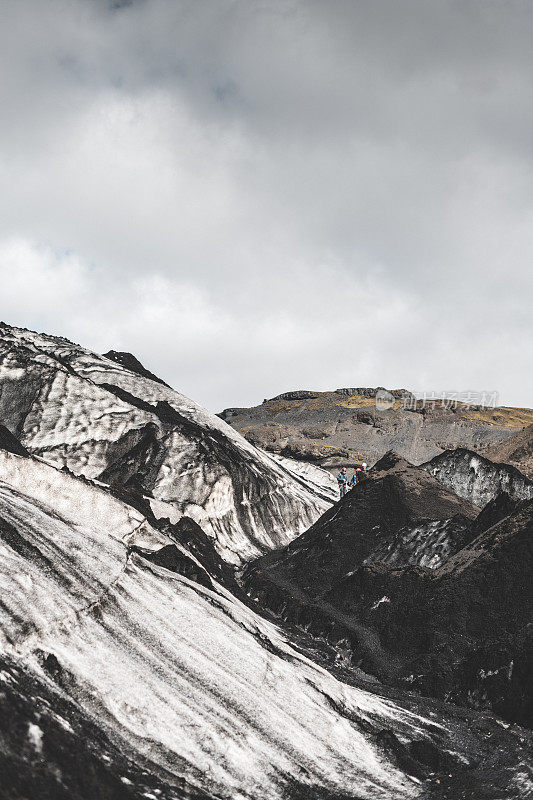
point(342, 480)
point(364, 465)
point(356, 477)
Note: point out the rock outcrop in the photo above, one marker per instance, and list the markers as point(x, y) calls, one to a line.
point(516, 451)
point(10, 443)
point(347, 426)
point(129, 671)
point(477, 479)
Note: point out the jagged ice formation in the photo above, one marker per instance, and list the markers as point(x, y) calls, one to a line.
point(101, 420)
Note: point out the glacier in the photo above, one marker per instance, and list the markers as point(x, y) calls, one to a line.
point(125, 673)
point(98, 419)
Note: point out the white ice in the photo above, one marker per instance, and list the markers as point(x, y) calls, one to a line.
point(246, 501)
point(192, 679)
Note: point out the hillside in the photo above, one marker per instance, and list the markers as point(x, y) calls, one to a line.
point(517, 451)
point(106, 418)
point(420, 587)
point(133, 664)
point(396, 500)
point(347, 426)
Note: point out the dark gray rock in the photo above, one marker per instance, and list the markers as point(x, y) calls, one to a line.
point(10, 443)
point(361, 424)
point(300, 394)
point(516, 451)
point(477, 479)
point(441, 605)
point(131, 363)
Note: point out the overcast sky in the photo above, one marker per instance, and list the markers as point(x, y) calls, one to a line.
point(255, 196)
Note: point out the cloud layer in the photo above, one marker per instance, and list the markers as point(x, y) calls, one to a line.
point(259, 196)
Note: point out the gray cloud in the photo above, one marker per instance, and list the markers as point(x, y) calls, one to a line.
point(258, 196)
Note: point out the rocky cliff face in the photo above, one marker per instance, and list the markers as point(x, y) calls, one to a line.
point(108, 419)
point(348, 426)
point(517, 451)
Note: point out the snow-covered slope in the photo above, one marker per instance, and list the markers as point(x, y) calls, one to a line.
point(317, 477)
point(179, 670)
point(127, 670)
point(102, 420)
point(205, 694)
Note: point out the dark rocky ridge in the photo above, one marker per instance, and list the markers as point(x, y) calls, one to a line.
point(461, 631)
point(347, 426)
point(131, 363)
point(464, 631)
point(395, 499)
point(10, 443)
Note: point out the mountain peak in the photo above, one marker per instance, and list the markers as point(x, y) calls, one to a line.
point(131, 363)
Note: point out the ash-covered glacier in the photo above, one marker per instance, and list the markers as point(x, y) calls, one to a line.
point(101, 419)
point(417, 586)
point(476, 478)
point(182, 689)
point(133, 665)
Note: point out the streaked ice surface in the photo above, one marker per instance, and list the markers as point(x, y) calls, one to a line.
point(428, 544)
point(313, 475)
point(53, 395)
point(192, 679)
